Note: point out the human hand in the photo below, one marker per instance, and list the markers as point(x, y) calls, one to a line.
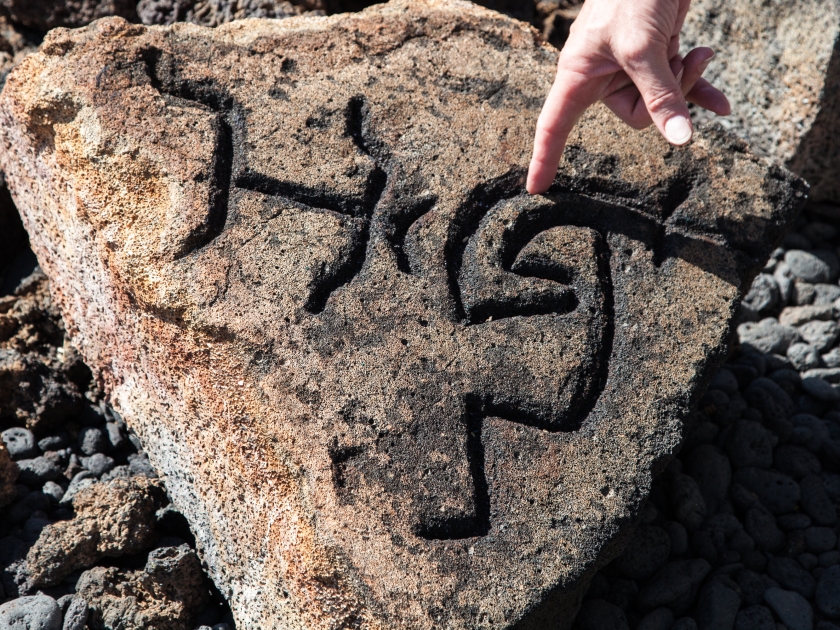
point(626, 54)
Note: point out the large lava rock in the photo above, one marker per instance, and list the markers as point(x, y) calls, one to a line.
point(779, 64)
point(387, 388)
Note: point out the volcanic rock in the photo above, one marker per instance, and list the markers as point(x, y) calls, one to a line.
point(779, 65)
point(386, 387)
point(43, 15)
point(212, 12)
point(165, 595)
point(112, 519)
point(8, 475)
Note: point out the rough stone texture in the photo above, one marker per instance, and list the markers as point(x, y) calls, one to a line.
point(112, 519)
point(779, 65)
point(165, 595)
point(31, 613)
point(8, 475)
point(387, 388)
point(40, 376)
point(43, 15)
point(212, 12)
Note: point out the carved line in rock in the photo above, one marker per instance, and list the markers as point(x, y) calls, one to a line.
point(228, 173)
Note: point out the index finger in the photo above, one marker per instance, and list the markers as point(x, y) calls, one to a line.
point(571, 94)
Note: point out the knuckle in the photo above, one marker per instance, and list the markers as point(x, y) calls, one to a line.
point(659, 99)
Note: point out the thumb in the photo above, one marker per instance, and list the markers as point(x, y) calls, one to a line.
point(663, 97)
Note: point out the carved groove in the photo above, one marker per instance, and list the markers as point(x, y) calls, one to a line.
point(165, 76)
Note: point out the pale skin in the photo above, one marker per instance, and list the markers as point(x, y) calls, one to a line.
point(624, 53)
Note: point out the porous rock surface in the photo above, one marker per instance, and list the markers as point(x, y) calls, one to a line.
point(164, 595)
point(779, 65)
point(386, 387)
point(111, 519)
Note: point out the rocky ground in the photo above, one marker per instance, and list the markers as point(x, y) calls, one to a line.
point(741, 530)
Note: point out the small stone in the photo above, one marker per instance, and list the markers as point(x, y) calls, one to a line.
point(826, 294)
point(678, 536)
point(118, 472)
point(98, 464)
point(820, 389)
point(793, 609)
point(816, 502)
point(819, 334)
point(813, 266)
point(717, 607)
point(684, 623)
point(795, 461)
point(790, 575)
point(767, 336)
point(38, 612)
point(648, 550)
point(689, 505)
point(9, 472)
point(793, 522)
point(53, 490)
point(808, 561)
point(141, 466)
point(37, 471)
point(76, 616)
point(597, 614)
point(761, 526)
point(167, 593)
point(115, 435)
point(725, 381)
point(710, 468)
point(20, 443)
point(783, 276)
point(804, 356)
point(753, 585)
point(828, 593)
point(829, 558)
point(673, 586)
point(832, 375)
point(91, 440)
point(112, 519)
point(832, 358)
point(659, 619)
point(749, 444)
point(798, 315)
point(80, 481)
point(54, 442)
point(818, 429)
point(777, 492)
point(802, 293)
point(820, 539)
point(763, 294)
point(755, 618)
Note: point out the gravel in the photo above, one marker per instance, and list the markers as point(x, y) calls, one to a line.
point(750, 503)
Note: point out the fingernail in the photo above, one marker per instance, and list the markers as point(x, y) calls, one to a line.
point(678, 130)
point(680, 75)
point(705, 64)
